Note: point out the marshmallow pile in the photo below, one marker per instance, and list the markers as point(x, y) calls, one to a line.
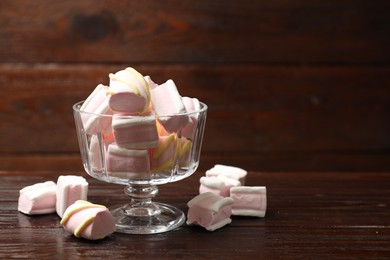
point(141, 128)
point(222, 193)
point(68, 197)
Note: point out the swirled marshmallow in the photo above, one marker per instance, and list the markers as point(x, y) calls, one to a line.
point(129, 92)
point(87, 220)
point(164, 155)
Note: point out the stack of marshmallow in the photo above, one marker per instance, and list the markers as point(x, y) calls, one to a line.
point(67, 198)
point(140, 133)
point(223, 193)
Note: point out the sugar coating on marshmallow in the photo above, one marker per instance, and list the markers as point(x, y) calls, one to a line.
point(249, 201)
point(127, 163)
point(87, 220)
point(228, 171)
point(39, 198)
point(210, 211)
point(70, 188)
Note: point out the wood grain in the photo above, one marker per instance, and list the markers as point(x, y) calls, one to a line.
point(195, 31)
point(256, 111)
point(289, 85)
point(309, 215)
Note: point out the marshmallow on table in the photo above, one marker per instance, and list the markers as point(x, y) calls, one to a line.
point(70, 188)
point(129, 92)
point(192, 105)
point(228, 171)
point(135, 132)
point(210, 211)
point(164, 155)
point(249, 201)
point(96, 103)
point(169, 106)
point(39, 198)
point(219, 185)
point(126, 163)
point(87, 220)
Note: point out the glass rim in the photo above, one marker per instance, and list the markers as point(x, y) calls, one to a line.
point(76, 108)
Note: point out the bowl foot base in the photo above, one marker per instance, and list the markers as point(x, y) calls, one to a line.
point(164, 218)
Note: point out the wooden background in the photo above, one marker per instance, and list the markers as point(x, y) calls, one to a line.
point(290, 85)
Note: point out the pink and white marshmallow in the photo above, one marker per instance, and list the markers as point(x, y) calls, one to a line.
point(135, 132)
point(87, 220)
point(184, 152)
point(219, 185)
point(249, 201)
point(228, 171)
point(70, 188)
point(167, 104)
point(96, 103)
point(39, 198)
point(164, 155)
point(97, 148)
point(129, 92)
point(210, 211)
point(192, 105)
point(127, 163)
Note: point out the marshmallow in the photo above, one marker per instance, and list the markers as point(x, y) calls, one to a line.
point(129, 92)
point(135, 132)
point(219, 185)
point(164, 155)
point(249, 201)
point(96, 103)
point(209, 211)
point(168, 103)
point(192, 105)
point(39, 198)
point(184, 152)
point(150, 82)
point(128, 164)
point(70, 188)
point(94, 153)
point(87, 220)
point(97, 148)
point(228, 171)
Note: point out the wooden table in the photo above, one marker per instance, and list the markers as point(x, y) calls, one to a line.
point(317, 215)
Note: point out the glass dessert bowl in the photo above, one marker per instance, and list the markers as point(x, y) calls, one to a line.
point(140, 153)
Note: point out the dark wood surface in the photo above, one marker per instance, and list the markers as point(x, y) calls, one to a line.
point(291, 86)
point(316, 215)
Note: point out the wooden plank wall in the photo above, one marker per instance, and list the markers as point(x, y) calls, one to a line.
point(290, 85)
